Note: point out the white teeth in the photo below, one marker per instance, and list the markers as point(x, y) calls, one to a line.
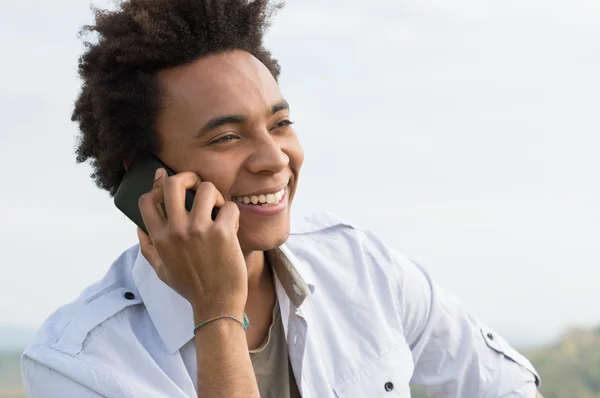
point(263, 200)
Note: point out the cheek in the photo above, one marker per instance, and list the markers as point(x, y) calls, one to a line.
point(222, 173)
point(295, 153)
point(222, 180)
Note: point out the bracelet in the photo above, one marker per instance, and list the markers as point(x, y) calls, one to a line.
point(244, 324)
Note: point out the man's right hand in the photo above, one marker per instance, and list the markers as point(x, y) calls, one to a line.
point(199, 258)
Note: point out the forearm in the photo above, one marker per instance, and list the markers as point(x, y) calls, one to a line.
point(224, 366)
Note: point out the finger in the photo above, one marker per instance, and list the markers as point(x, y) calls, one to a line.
point(149, 252)
point(174, 194)
point(159, 181)
point(229, 217)
point(207, 197)
point(150, 206)
point(148, 249)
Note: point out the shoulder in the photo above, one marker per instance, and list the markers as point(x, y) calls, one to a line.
point(317, 222)
point(67, 328)
point(325, 229)
point(326, 237)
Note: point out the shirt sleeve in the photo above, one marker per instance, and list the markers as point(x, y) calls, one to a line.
point(51, 373)
point(455, 354)
point(41, 381)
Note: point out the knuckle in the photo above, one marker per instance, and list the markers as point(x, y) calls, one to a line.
point(143, 200)
point(221, 232)
point(170, 182)
point(187, 175)
point(147, 200)
point(197, 229)
point(208, 186)
point(161, 242)
point(233, 208)
point(178, 234)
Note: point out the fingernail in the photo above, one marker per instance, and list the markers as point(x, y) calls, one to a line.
point(157, 174)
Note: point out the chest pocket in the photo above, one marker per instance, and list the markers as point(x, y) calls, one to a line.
point(386, 377)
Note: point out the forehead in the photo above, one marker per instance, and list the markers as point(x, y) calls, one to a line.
point(230, 83)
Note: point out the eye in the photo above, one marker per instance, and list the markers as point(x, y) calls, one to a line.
point(283, 123)
point(225, 138)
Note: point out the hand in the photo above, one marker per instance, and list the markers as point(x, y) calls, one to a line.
point(199, 258)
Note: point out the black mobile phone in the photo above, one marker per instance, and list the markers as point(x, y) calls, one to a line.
point(138, 180)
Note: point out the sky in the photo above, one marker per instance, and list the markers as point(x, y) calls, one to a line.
point(464, 133)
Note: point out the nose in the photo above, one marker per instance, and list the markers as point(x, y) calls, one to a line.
point(267, 157)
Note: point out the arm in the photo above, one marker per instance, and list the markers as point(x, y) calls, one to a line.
point(202, 260)
point(454, 353)
point(224, 367)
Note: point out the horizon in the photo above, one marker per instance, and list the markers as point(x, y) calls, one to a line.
point(15, 338)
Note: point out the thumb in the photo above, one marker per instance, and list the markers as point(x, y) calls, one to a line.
point(229, 215)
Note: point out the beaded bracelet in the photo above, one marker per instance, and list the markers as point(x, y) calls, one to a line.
point(244, 324)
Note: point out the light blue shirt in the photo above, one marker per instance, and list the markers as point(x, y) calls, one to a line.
point(362, 322)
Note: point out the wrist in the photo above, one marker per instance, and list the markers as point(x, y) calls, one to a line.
point(222, 330)
point(244, 322)
point(204, 312)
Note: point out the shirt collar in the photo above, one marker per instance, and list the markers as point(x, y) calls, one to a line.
point(172, 314)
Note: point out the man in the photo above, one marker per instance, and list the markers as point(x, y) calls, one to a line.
point(242, 305)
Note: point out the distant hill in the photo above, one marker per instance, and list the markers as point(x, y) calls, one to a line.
point(571, 367)
point(10, 376)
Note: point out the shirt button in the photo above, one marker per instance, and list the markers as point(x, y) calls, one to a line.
point(129, 296)
point(389, 386)
point(490, 336)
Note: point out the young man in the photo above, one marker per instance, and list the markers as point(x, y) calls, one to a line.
point(332, 311)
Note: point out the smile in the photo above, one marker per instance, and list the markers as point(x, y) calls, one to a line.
point(265, 200)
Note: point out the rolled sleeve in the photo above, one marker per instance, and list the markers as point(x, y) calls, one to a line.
point(455, 354)
point(42, 381)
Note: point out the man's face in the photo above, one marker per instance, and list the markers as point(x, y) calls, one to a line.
point(225, 119)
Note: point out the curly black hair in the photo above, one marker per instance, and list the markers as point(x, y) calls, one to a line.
point(121, 96)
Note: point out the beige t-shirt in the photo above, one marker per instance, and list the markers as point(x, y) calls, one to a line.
point(271, 363)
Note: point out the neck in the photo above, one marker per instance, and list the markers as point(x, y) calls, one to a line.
point(258, 270)
point(261, 298)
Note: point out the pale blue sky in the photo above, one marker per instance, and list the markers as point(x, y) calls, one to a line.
point(463, 132)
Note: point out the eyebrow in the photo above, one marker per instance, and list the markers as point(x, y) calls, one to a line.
point(280, 106)
point(237, 119)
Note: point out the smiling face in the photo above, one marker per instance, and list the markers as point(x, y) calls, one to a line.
point(225, 119)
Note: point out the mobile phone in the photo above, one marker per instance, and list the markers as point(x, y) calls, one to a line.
point(138, 180)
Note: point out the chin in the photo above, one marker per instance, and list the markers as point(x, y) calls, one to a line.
point(263, 239)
